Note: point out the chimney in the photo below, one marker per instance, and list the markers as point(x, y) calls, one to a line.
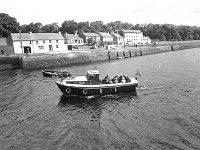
point(66, 35)
point(75, 33)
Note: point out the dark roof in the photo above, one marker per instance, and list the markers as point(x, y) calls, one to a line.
point(36, 36)
point(91, 34)
point(132, 31)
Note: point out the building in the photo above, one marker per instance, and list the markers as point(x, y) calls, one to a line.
point(90, 36)
point(146, 40)
point(118, 39)
point(6, 47)
point(105, 38)
point(72, 40)
point(38, 42)
point(132, 37)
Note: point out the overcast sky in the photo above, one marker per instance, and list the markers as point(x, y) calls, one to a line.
point(177, 12)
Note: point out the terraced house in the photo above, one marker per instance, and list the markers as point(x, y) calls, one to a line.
point(38, 42)
point(106, 38)
point(118, 39)
point(72, 40)
point(90, 36)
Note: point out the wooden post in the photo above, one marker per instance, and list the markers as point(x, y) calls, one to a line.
point(140, 52)
point(109, 55)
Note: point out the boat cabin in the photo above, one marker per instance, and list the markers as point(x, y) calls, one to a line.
point(93, 75)
point(93, 78)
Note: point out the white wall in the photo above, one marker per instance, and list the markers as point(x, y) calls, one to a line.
point(134, 38)
point(35, 47)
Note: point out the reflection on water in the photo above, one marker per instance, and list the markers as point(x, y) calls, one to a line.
point(163, 116)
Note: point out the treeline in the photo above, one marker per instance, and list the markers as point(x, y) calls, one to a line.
point(162, 32)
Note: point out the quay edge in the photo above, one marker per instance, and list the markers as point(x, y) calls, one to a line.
point(43, 61)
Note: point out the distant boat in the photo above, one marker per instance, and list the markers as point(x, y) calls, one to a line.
point(92, 85)
point(56, 74)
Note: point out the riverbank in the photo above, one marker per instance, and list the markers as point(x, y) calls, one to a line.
point(54, 60)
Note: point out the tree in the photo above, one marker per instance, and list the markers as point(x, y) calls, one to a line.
point(98, 26)
point(8, 25)
point(69, 26)
point(117, 25)
point(50, 28)
point(84, 27)
point(32, 27)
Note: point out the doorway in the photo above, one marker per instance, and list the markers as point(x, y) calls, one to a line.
point(50, 48)
point(27, 49)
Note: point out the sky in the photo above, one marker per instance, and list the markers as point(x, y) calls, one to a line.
point(177, 12)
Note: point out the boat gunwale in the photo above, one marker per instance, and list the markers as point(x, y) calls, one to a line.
point(93, 86)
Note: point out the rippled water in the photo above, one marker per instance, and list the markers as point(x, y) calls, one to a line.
point(165, 115)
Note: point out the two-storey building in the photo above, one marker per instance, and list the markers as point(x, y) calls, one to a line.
point(118, 39)
point(38, 42)
point(72, 40)
point(105, 38)
point(146, 40)
point(90, 36)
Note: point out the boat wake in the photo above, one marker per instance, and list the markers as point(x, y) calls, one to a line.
point(143, 88)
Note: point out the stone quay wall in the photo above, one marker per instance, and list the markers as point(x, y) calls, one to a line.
point(96, 55)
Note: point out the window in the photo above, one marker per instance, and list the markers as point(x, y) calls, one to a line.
point(30, 42)
point(56, 41)
point(41, 47)
point(57, 46)
point(49, 41)
point(43, 41)
point(36, 42)
point(2, 52)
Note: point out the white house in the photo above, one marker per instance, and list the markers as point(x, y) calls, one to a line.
point(38, 42)
point(73, 39)
point(132, 37)
point(105, 37)
point(118, 38)
point(146, 40)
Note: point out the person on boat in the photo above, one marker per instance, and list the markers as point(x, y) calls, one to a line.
point(127, 78)
point(115, 79)
point(107, 79)
point(123, 79)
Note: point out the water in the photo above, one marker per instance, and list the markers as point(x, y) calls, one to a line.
point(165, 115)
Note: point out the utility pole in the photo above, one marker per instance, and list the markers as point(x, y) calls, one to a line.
point(20, 34)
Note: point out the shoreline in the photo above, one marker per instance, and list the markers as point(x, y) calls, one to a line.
point(53, 60)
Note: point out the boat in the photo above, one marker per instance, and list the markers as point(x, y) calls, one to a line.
point(92, 85)
point(56, 74)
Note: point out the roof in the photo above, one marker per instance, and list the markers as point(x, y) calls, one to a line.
point(104, 34)
point(73, 37)
point(36, 36)
point(91, 34)
point(146, 37)
point(117, 35)
point(132, 31)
